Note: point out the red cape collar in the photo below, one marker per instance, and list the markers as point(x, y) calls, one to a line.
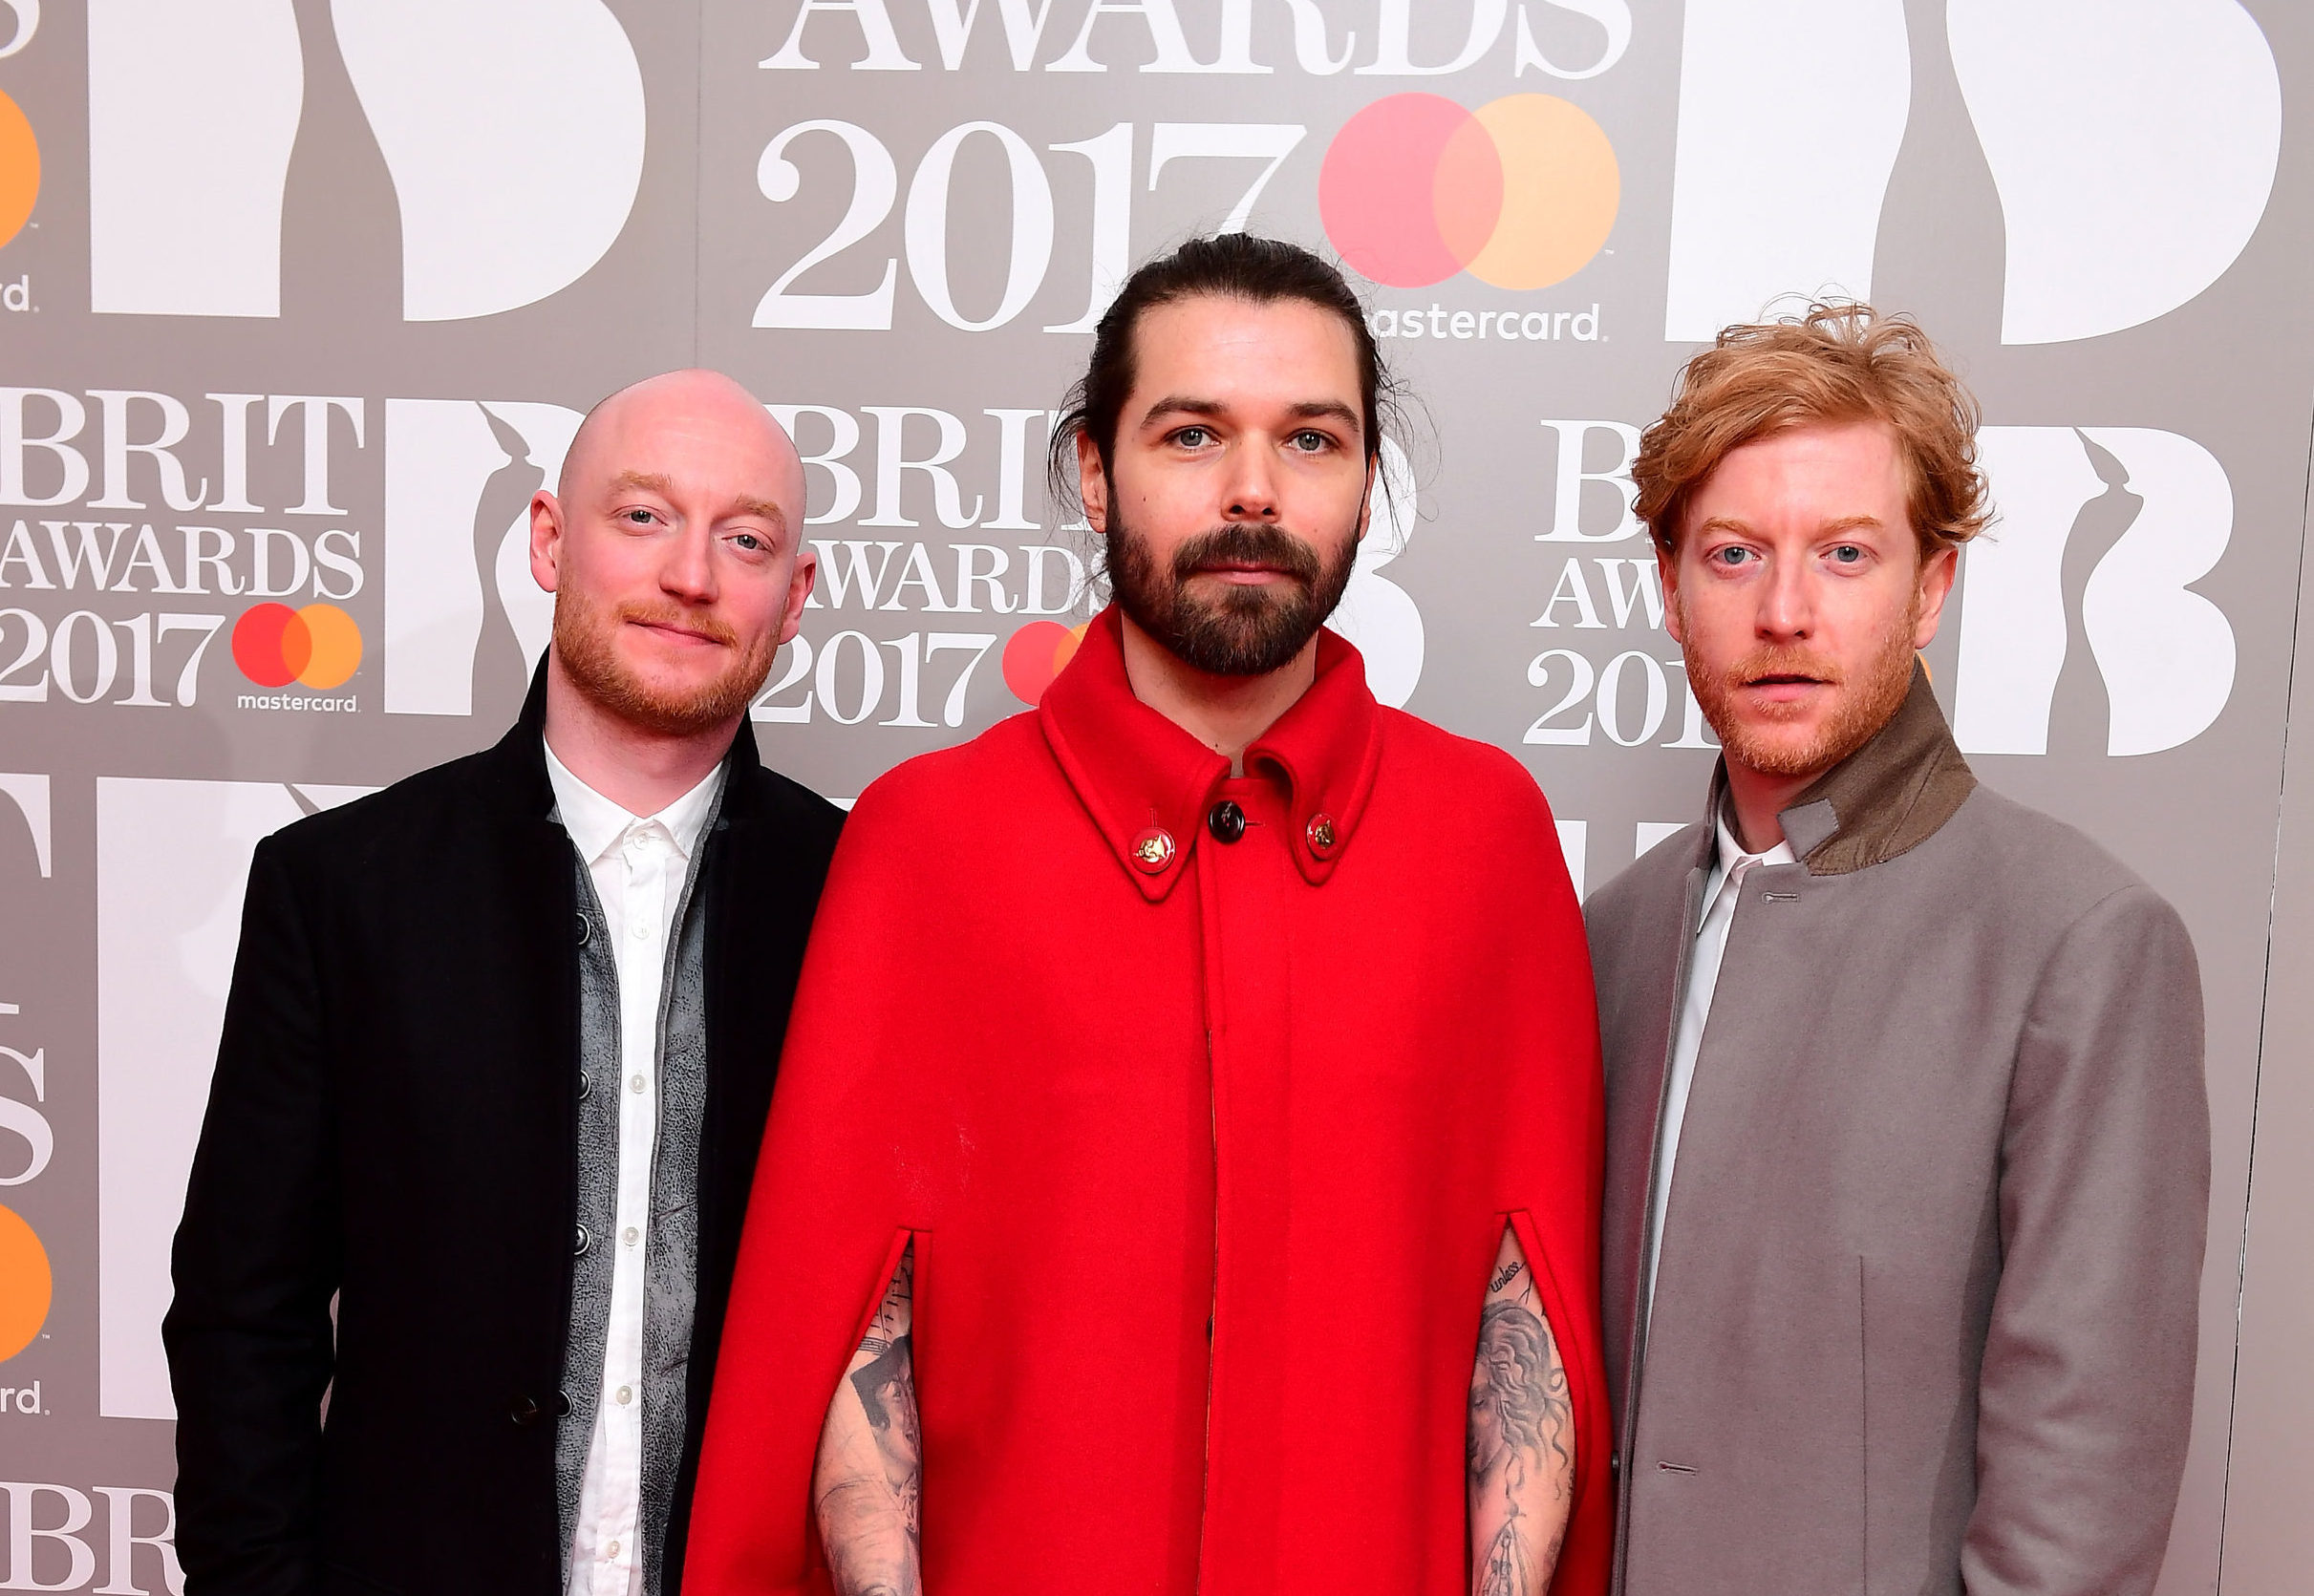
point(1147, 784)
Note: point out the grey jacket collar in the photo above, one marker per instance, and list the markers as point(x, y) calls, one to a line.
point(1886, 799)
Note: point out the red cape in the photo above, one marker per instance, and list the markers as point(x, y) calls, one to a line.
point(1205, 1149)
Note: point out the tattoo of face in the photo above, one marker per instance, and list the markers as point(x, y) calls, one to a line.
point(867, 1479)
point(1520, 1412)
point(886, 1387)
point(1518, 1393)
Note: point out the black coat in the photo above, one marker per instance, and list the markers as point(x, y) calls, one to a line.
point(394, 1121)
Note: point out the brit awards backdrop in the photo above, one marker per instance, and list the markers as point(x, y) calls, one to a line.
point(300, 300)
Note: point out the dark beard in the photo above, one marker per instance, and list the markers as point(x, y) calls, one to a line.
point(1250, 631)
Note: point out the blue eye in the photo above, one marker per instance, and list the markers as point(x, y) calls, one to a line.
point(1731, 556)
point(1847, 554)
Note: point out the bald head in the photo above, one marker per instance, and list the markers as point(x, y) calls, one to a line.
point(695, 400)
point(672, 546)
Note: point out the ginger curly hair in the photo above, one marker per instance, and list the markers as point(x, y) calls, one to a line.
point(1834, 363)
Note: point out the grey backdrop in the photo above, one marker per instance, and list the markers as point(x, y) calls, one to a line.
point(490, 212)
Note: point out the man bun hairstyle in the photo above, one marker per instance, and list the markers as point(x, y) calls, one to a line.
point(1230, 265)
point(1835, 363)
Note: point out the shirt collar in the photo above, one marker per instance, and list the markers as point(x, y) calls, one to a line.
point(1733, 852)
point(1730, 854)
point(597, 825)
point(1147, 783)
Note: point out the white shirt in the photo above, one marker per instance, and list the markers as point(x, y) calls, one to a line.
point(638, 867)
point(1720, 891)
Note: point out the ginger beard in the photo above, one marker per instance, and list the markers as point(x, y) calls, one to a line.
point(1774, 739)
point(586, 640)
point(1251, 629)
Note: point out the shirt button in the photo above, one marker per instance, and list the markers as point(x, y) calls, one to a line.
point(640, 930)
point(636, 1083)
point(626, 1395)
point(612, 1550)
point(632, 1235)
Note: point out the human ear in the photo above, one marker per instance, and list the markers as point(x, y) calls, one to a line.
point(1667, 571)
point(546, 540)
point(799, 591)
point(1937, 574)
point(1092, 484)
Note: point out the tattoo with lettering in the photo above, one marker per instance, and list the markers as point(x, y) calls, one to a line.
point(1521, 1438)
point(868, 1483)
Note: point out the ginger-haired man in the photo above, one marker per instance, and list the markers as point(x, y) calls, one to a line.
point(1908, 1148)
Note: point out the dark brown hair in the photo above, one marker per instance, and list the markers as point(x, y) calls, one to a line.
point(1234, 266)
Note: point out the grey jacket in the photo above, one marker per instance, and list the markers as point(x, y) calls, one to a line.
point(1924, 1319)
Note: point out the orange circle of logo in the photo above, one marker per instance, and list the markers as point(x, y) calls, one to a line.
point(318, 645)
point(336, 646)
point(19, 169)
point(1520, 193)
point(25, 1284)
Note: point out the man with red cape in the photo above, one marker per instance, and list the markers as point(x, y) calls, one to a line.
point(1184, 1174)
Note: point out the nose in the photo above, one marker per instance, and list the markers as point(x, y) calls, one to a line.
point(1787, 612)
point(1252, 486)
point(688, 572)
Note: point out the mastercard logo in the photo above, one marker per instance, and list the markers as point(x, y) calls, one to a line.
point(27, 1285)
point(1520, 193)
point(318, 645)
point(1035, 655)
point(19, 169)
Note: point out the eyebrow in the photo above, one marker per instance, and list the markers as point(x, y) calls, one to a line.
point(1308, 409)
point(1845, 524)
point(652, 482)
point(762, 509)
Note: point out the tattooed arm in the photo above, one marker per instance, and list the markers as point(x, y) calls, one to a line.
point(868, 1477)
point(1522, 1437)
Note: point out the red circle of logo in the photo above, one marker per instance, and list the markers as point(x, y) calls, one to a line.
point(271, 644)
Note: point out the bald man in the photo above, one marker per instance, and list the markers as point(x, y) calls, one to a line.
point(494, 1071)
